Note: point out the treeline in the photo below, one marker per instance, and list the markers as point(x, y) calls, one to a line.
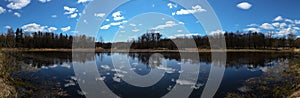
point(19, 39)
point(234, 40)
point(149, 40)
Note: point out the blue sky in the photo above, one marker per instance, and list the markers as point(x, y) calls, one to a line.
point(279, 17)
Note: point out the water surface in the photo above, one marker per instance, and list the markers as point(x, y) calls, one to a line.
point(54, 70)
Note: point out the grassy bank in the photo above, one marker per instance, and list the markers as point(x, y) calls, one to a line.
point(7, 88)
point(281, 81)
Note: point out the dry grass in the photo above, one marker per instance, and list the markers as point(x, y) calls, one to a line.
point(7, 90)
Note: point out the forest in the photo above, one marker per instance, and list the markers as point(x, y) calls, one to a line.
point(234, 40)
point(149, 40)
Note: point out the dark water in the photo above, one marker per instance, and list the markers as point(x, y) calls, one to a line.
point(54, 70)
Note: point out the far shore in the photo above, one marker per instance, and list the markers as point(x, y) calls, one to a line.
point(145, 50)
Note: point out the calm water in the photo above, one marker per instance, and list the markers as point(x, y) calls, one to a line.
point(54, 70)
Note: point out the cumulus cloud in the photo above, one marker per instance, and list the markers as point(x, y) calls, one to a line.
point(83, 1)
point(185, 82)
point(194, 9)
point(117, 16)
point(101, 15)
point(73, 15)
point(7, 27)
point(282, 25)
point(289, 20)
point(252, 25)
point(33, 27)
point(168, 24)
point(276, 24)
point(44, 1)
point(171, 5)
point(105, 27)
point(65, 29)
point(181, 23)
point(2, 10)
point(132, 24)
point(118, 23)
point(70, 10)
point(278, 18)
point(135, 30)
point(53, 16)
point(51, 29)
point(17, 4)
point(17, 14)
point(122, 27)
point(252, 29)
point(244, 5)
point(183, 35)
point(297, 21)
point(267, 26)
point(286, 31)
point(217, 32)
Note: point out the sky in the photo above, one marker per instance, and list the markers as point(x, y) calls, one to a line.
point(129, 20)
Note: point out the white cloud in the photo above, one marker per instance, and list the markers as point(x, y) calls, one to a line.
point(135, 30)
point(282, 25)
point(194, 9)
point(267, 26)
point(17, 4)
point(276, 24)
point(70, 10)
point(117, 16)
point(44, 1)
point(2, 10)
point(173, 13)
point(183, 35)
point(278, 18)
point(101, 15)
point(105, 27)
point(179, 30)
point(296, 28)
point(297, 21)
point(168, 24)
point(252, 25)
point(51, 29)
point(286, 31)
point(252, 29)
point(107, 20)
point(181, 23)
point(244, 5)
point(217, 32)
point(17, 14)
point(171, 5)
point(122, 27)
point(289, 20)
point(83, 1)
point(65, 29)
point(118, 23)
point(7, 27)
point(34, 27)
point(184, 82)
point(73, 15)
point(85, 21)
point(54, 16)
point(132, 24)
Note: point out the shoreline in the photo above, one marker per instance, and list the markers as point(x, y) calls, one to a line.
point(98, 50)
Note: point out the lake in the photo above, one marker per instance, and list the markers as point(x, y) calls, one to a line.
point(150, 75)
